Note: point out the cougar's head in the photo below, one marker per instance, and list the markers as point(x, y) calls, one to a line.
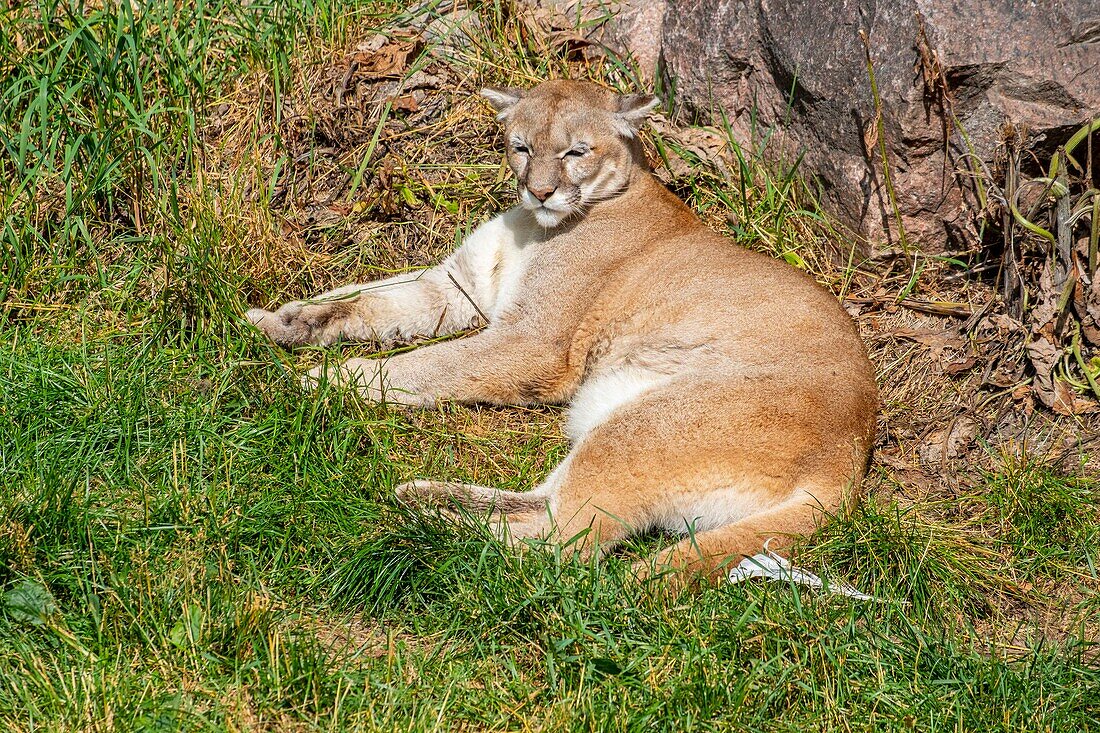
point(571, 144)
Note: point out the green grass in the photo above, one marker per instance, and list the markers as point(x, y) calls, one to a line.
point(1050, 521)
point(190, 542)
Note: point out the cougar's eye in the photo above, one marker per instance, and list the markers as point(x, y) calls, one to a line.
point(521, 149)
point(577, 151)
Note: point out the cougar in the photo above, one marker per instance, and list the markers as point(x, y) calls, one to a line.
point(713, 391)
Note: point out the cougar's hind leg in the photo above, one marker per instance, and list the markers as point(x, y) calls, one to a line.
point(711, 554)
point(731, 464)
point(586, 502)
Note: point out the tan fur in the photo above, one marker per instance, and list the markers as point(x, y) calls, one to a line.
point(716, 392)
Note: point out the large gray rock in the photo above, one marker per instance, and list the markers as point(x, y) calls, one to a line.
point(798, 66)
point(802, 66)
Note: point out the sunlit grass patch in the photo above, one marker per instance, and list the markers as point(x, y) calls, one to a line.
point(945, 573)
point(1049, 520)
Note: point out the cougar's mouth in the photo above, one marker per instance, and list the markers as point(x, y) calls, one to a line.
point(547, 213)
point(548, 217)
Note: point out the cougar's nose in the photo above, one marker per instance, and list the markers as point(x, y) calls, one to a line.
point(542, 193)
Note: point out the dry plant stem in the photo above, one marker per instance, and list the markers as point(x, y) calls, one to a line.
point(1094, 229)
point(476, 307)
point(937, 89)
point(1062, 211)
point(1064, 279)
point(888, 181)
point(1061, 310)
point(936, 308)
point(1094, 223)
point(1012, 286)
point(1094, 235)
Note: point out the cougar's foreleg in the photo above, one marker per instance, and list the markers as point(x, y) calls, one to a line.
point(459, 293)
point(503, 368)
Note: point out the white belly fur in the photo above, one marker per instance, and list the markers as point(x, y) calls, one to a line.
point(597, 399)
point(699, 512)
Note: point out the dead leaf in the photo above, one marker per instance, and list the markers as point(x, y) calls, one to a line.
point(423, 80)
point(405, 103)
point(870, 135)
point(959, 366)
point(1004, 372)
point(372, 44)
point(1001, 324)
point(1044, 357)
point(705, 143)
point(950, 442)
point(893, 460)
point(1046, 305)
point(1087, 304)
point(1068, 402)
point(938, 342)
point(569, 38)
point(387, 62)
point(1091, 332)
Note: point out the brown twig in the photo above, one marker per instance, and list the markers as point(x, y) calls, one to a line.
point(467, 296)
point(933, 307)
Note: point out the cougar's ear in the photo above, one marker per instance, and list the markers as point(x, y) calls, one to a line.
point(502, 99)
point(633, 111)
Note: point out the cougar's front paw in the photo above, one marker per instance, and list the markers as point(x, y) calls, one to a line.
point(298, 323)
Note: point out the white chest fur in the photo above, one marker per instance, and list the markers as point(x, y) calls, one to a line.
point(494, 258)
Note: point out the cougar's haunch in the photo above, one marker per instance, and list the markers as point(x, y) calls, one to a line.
point(712, 391)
